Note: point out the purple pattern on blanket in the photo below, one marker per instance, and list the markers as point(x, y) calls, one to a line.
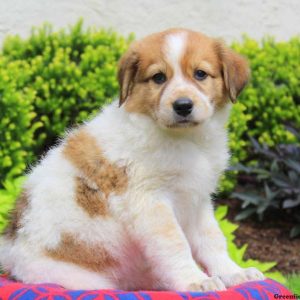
point(258, 290)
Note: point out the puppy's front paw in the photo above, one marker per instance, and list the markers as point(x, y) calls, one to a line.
point(244, 275)
point(206, 285)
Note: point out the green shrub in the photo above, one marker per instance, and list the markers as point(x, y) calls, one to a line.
point(17, 126)
point(48, 82)
point(270, 101)
point(8, 195)
point(273, 96)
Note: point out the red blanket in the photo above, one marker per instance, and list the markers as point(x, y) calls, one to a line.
point(258, 290)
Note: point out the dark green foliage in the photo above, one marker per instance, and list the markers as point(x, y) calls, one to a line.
point(272, 182)
point(51, 81)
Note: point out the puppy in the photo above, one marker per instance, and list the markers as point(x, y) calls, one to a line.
point(123, 202)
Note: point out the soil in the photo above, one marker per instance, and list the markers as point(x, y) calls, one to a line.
point(268, 240)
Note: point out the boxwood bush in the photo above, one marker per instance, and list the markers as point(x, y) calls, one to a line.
point(48, 82)
point(53, 80)
point(17, 124)
point(272, 98)
point(269, 103)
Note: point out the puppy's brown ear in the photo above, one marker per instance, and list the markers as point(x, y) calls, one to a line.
point(236, 72)
point(128, 66)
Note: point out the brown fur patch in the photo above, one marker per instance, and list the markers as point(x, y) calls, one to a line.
point(235, 69)
point(201, 54)
point(85, 154)
point(144, 93)
point(228, 72)
point(90, 199)
point(91, 257)
point(16, 216)
point(167, 228)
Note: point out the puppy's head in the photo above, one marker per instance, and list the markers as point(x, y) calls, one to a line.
point(180, 77)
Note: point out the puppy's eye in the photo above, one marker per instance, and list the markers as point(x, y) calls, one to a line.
point(200, 75)
point(159, 78)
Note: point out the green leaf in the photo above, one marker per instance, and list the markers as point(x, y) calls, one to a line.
point(249, 197)
point(293, 164)
point(245, 214)
point(295, 231)
point(293, 283)
point(221, 212)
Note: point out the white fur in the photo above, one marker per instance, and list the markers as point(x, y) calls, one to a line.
point(174, 48)
point(175, 172)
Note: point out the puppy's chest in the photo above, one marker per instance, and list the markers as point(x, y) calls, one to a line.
point(177, 170)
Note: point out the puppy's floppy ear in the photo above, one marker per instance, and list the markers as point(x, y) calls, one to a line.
point(128, 66)
point(235, 69)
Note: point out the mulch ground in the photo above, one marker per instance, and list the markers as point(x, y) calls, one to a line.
point(268, 240)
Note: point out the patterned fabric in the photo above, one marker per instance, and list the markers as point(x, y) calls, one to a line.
point(259, 290)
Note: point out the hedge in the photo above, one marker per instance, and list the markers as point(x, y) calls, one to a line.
point(53, 80)
point(17, 118)
point(271, 100)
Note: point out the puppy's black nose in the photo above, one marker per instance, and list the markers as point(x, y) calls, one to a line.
point(183, 106)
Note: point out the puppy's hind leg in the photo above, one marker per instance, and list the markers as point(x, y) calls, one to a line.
point(68, 275)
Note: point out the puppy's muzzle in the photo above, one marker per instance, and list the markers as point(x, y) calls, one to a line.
point(183, 106)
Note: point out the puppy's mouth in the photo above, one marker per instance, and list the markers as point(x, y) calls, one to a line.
point(175, 121)
point(183, 123)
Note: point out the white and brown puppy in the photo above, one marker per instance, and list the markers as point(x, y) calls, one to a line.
point(124, 200)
